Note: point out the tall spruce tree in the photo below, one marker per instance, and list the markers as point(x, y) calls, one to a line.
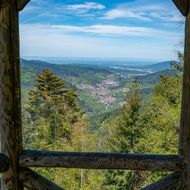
point(51, 119)
point(55, 104)
point(124, 140)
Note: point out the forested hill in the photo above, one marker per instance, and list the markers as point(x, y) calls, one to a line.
point(154, 77)
point(109, 114)
point(65, 69)
point(100, 88)
point(158, 66)
point(32, 68)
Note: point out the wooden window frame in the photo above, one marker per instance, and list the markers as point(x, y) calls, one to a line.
point(14, 161)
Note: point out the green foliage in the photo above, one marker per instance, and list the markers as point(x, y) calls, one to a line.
point(52, 120)
point(127, 133)
point(160, 122)
point(51, 102)
point(169, 89)
point(145, 127)
point(124, 139)
point(177, 66)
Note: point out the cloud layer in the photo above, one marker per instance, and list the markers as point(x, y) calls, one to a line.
point(138, 28)
point(101, 30)
point(87, 6)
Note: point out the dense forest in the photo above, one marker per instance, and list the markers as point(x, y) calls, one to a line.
point(54, 120)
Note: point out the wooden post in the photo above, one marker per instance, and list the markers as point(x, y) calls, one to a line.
point(184, 146)
point(4, 163)
point(10, 104)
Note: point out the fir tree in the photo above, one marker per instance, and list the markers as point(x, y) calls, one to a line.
point(53, 102)
point(124, 140)
point(53, 121)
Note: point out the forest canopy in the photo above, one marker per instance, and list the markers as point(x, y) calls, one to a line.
point(53, 120)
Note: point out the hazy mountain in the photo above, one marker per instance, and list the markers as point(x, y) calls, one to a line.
point(154, 77)
point(100, 88)
point(158, 66)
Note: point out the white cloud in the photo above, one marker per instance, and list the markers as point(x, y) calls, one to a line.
point(121, 13)
point(172, 17)
point(61, 9)
point(104, 37)
point(86, 6)
point(61, 41)
point(82, 9)
point(145, 11)
point(101, 30)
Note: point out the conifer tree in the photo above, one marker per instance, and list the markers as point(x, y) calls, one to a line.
point(53, 121)
point(53, 102)
point(124, 140)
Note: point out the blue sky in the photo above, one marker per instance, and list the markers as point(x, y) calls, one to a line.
point(147, 29)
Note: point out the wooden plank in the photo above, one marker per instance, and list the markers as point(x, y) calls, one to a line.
point(22, 4)
point(10, 108)
point(4, 163)
point(169, 182)
point(100, 161)
point(32, 180)
point(184, 145)
point(183, 6)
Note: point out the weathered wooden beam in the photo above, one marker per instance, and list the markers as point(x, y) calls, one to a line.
point(22, 4)
point(184, 145)
point(4, 163)
point(3, 3)
point(170, 182)
point(183, 6)
point(32, 180)
point(100, 161)
point(10, 104)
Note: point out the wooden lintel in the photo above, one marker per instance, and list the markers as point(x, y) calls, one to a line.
point(4, 163)
point(169, 182)
point(183, 6)
point(32, 180)
point(22, 4)
point(100, 161)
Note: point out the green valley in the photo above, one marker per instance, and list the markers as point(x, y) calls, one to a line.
point(100, 88)
point(101, 108)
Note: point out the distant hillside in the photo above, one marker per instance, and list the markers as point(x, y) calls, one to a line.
point(154, 77)
point(158, 66)
point(72, 70)
point(100, 89)
point(30, 69)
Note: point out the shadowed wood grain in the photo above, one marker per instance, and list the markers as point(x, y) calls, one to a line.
point(100, 161)
point(22, 4)
point(169, 182)
point(10, 104)
point(4, 163)
point(3, 3)
point(184, 145)
point(183, 6)
point(32, 180)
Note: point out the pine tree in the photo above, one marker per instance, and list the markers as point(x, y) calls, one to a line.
point(124, 139)
point(53, 103)
point(53, 121)
point(160, 120)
